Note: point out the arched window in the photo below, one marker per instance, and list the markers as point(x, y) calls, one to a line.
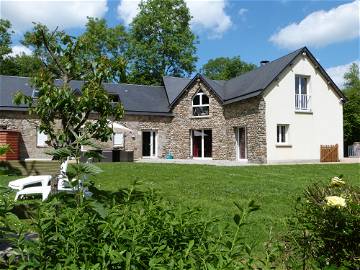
point(200, 104)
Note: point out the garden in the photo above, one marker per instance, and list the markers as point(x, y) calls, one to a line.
point(167, 216)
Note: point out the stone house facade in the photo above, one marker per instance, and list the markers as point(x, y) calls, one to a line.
point(208, 119)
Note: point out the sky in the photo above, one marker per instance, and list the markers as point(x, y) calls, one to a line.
point(253, 30)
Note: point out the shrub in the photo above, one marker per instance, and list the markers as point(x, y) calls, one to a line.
point(326, 226)
point(130, 230)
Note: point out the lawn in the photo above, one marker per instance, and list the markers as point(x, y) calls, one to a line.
point(214, 189)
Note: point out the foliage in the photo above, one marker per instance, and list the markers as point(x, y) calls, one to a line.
point(131, 230)
point(352, 106)
point(20, 65)
point(4, 148)
point(161, 42)
point(225, 68)
point(112, 42)
point(5, 38)
point(326, 225)
point(58, 100)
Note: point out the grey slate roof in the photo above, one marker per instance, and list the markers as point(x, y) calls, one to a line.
point(158, 100)
point(174, 86)
point(136, 99)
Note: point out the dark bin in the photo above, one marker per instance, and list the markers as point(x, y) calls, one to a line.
point(107, 156)
point(116, 155)
point(127, 156)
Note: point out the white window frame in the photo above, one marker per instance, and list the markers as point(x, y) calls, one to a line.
point(200, 93)
point(121, 144)
point(279, 136)
point(238, 144)
point(152, 146)
point(41, 138)
point(202, 144)
point(304, 100)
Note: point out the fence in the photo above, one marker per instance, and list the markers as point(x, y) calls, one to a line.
point(354, 150)
point(329, 153)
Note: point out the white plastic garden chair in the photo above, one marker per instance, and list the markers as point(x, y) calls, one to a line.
point(44, 190)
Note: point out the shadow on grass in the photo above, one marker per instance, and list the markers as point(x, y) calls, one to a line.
point(121, 196)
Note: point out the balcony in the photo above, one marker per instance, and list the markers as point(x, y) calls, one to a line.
point(302, 103)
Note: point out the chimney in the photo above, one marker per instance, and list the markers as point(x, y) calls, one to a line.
point(264, 62)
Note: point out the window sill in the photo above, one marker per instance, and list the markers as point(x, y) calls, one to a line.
point(303, 112)
point(285, 145)
point(42, 146)
point(200, 117)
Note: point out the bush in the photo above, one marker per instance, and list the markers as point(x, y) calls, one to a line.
point(130, 230)
point(326, 229)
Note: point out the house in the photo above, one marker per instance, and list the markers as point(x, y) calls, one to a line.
point(280, 112)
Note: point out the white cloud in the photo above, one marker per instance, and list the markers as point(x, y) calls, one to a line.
point(208, 15)
point(19, 50)
point(53, 13)
point(337, 73)
point(321, 28)
point(242, 11)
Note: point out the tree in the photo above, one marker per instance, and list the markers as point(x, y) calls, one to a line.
point(225, 68)
point(352, 106)
point(64, 113)
point(5, 38)
point(112, 42)
point(20, 65)
point(161, 41)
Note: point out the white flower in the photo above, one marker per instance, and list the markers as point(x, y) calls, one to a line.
point(336, 181)
point(335, 201)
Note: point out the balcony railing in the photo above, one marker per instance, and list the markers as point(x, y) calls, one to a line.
point(302, 102)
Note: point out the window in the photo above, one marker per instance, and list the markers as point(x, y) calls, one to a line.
point(41, 138)
point(302, 97)
point(201, 143)
point(118, 139)
point(200, 104)
point(282, 134)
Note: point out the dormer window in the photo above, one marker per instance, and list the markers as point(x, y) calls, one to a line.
point(200, 104)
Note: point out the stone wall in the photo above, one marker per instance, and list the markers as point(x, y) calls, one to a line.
point(249, 114)
point(173, 133)
point(21, 121)
point(183, 122)
point(223, 121)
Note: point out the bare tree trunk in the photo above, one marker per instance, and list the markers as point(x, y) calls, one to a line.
point(54, 183)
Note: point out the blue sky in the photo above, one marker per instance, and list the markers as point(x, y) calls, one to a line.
point(255, 30)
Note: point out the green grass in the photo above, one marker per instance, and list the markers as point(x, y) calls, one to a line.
point(214, 189)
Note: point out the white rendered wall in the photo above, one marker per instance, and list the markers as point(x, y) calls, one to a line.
point(306, 131)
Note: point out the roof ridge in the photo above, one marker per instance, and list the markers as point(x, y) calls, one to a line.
point(145, 85)
point(260, 67)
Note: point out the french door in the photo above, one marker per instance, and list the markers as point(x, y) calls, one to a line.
point(241, 143)
point(149, 144)
point(201, 143)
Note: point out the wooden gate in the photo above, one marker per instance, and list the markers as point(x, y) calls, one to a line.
point(329, 153)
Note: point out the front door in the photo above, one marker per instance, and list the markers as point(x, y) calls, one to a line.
point(149, 144)
point(241, 143)
point(201, 143)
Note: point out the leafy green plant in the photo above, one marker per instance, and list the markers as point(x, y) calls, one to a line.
point(141, 232)
point(4, 148)
point(325, 230)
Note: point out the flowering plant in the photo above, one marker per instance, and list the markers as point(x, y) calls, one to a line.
point(336, 181)
point(335, 201)
point(325, 230)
